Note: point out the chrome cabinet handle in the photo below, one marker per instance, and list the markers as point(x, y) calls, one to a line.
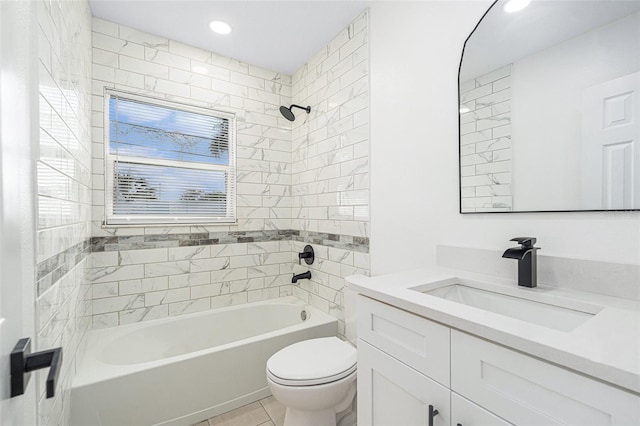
point(432, 413)
point(23, 362)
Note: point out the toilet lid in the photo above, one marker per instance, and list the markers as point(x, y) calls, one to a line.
point(312, 362)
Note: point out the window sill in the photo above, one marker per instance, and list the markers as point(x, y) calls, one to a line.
point(166, 225)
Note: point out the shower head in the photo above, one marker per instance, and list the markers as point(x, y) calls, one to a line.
point(288, 114)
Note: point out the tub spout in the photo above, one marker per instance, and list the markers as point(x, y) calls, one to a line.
point(304, 275)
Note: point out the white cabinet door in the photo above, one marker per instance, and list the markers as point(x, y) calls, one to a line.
point(527, 391)
point(390, 393)
point(466, 413)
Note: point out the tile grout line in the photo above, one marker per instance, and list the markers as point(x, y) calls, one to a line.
point(265, 410)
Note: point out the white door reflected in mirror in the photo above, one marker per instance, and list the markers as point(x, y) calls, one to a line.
point(610, 147)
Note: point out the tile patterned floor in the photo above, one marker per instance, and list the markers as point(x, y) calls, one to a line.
point(266, 412)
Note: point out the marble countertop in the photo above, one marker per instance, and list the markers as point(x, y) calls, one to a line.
point(606, 346)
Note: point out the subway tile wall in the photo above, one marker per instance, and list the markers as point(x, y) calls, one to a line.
point(144, 273)
point(330, 165)
point(63, 305)
point(145, 284)
point(485, 142)
point(136, 62)
point(298, 183)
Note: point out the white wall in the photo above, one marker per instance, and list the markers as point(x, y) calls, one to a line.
point(415, 51)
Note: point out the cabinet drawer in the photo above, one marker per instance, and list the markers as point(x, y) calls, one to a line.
point(391, 393)
point(466, 413)
point(527, 391)
point(416, 341)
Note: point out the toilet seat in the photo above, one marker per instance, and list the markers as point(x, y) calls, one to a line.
point(310, 382)
point(312, 362)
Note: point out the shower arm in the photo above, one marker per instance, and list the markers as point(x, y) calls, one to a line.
point(308, 109)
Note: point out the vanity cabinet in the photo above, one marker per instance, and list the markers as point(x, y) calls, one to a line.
point(409, 366)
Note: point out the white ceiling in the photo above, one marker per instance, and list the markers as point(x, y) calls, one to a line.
point(277, 35)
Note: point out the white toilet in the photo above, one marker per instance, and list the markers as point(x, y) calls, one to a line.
point(316, 381)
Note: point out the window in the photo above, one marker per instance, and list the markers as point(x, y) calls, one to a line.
point(167, 163)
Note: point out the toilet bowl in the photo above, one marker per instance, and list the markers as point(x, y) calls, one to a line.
point(315, 380)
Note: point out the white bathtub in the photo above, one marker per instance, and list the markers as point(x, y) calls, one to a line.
point(180, 370)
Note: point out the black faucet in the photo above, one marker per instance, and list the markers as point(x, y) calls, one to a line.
point(527, 261)
point(302, 276)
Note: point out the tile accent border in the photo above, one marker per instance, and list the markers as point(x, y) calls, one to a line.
point(137, 242)
point(344, 242)
point(53, 268)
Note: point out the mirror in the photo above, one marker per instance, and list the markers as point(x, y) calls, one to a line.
point(550, 108)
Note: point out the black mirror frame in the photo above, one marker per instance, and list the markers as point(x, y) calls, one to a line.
point(460, 146)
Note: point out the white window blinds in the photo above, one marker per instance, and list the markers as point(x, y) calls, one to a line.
point(168, 163)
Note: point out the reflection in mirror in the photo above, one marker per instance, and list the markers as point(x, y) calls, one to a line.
point(550, 108)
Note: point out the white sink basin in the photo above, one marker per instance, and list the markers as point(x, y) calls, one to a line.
point(546, 314)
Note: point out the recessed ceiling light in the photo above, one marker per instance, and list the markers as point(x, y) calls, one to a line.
point(516, 5)
point(200, 70)
point(220, 27)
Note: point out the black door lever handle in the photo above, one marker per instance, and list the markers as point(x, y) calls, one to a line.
point(23, 362)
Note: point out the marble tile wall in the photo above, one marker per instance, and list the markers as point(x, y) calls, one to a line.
point(139, 278)
point(330, 165)
point(485, 142)
point(137, 285)
point(298, 183)
point(136, 62)
point(144, 273)
point(132, 285)
point(63, 193)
